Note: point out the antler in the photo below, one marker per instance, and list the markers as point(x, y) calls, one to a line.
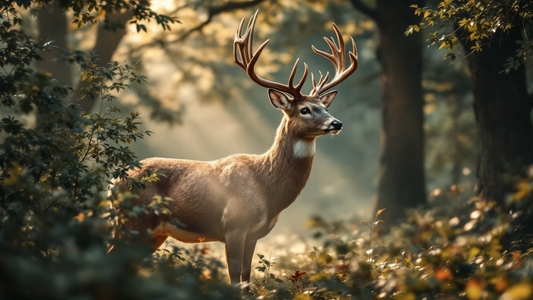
point(338, 58)
point(242, 47)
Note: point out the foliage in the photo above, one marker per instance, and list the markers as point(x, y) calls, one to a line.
point(90, 12)
point(462, 251)
point(56, 224)
point(478, 22)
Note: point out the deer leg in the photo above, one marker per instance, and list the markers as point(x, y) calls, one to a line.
point(234, 254)
point(247, 263)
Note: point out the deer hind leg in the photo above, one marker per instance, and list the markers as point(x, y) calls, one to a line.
point(235, 241)
point(247, 263)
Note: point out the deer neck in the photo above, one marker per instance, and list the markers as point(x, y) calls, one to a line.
point(287, 166)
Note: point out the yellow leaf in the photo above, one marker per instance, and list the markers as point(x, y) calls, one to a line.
point(408, 296)
point(14, 173)
point(303, 297)
point(495, 248)
point(463, 22)
point(474, 251)
point(519, 291)
point(474, 289)
point(523, 189)
point(325, 257)
point(319, 277)
point(382, 210)
point(105, 203)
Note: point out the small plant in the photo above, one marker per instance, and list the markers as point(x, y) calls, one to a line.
point(294, 278)
point(264, 267)
point(372, 226)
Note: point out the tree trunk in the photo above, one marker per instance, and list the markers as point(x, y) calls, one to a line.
point(107, 42)
point(53, 26)
point(458, 154)
point(401, 179)
point(503, 116)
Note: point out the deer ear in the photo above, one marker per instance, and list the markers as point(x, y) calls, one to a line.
point(278, 99)
point(326, 99)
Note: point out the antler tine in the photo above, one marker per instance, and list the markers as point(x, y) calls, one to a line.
point(242, 47)
point(304, 77)
point(250, 35)
point(314, 82)
point(300, 84)
point(320, 84)
point(237, 41)
point(338, 58)
point(354, 49)
point(342, 46)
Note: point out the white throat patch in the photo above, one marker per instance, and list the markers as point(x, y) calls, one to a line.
point(304, 149)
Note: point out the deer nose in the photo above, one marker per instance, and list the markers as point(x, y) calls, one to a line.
point(337, 125)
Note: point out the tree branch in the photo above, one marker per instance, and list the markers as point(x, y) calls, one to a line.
point(212, 12)
point(365, 9)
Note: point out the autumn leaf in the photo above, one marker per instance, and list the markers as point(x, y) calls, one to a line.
point(80, 217)
point(443, 274)
point(294, 278)
point(379, 212)
point(521, 291)
point(523, 189)
point(501, 285)
point(474, 288)
point(303, 297)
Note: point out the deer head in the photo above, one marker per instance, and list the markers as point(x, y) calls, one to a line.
point(307, 114)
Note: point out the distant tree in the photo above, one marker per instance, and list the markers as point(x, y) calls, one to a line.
point(495, 37)
point(53, 26)
point(401, 178)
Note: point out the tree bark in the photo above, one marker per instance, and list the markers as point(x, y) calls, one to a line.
point(107, 43)
point(401, 179)
point(503, 116)
point(53, 26)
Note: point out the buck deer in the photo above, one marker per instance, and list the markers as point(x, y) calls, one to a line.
point(237, 199)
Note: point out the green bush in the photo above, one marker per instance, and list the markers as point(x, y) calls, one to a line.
point(56, 225)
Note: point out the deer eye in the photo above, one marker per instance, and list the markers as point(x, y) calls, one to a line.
point(305, 111)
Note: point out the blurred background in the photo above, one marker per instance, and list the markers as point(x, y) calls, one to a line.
point(201, 106)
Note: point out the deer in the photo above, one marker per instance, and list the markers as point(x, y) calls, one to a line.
point(238, 199)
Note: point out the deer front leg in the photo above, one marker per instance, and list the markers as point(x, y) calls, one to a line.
point(247, 263)
point(235, 241)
